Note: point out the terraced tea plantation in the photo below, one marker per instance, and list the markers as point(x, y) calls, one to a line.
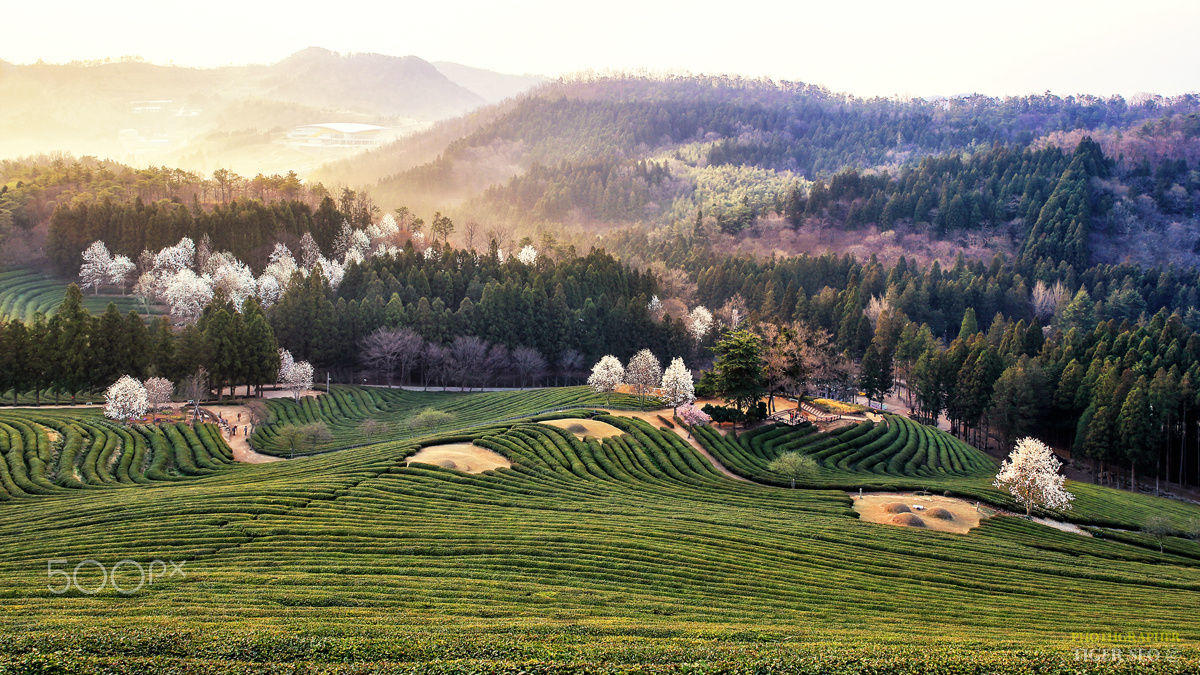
point(359, 416)
point(49, 452)
point(628, 553)
point(900, 454)
point(25, 292)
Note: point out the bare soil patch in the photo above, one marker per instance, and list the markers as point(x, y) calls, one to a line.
point(584, 428)
point(465, 457)
point(242, 418)
point(905, 509)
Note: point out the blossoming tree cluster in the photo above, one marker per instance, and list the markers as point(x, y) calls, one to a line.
point(126, 399)
point(643, 374)
point(185, 276)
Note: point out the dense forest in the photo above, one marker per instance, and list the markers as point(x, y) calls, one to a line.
point(69, 203)
point(589, 305)
point(73, 351)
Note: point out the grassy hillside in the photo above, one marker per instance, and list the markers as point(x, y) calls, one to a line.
point(25, 292)
point(627, 553)
point(47, 452)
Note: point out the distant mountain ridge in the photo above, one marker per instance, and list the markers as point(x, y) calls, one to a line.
point(171, 110)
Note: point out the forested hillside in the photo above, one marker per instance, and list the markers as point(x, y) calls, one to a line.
point(55, 206)
point(604, 127)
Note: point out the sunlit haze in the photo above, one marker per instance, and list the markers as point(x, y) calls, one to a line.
point(931, 47)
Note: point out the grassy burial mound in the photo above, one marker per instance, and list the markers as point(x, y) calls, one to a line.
point(363, 415)
point(585, 428)
point(944, 514)
point(25, 292)
point(629, 552)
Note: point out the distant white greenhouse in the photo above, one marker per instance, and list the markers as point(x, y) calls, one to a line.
point(339, 135)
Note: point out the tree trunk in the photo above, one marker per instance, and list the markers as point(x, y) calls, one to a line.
point(1182, 446)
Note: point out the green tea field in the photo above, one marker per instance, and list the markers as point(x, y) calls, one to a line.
point(632, 552)
point(25, 292)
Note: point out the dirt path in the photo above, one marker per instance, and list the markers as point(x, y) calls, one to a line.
point(716, 465)
point(241, 416)
point(651, 416)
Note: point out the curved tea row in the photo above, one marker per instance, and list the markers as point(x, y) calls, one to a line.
point(46, 452)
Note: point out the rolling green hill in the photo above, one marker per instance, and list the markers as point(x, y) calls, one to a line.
point(631, 553)
point(357, 416)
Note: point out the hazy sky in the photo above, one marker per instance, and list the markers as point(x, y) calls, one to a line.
point(907, 47)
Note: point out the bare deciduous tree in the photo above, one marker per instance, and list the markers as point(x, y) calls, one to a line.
point(194, 388)
point(387, 349)
point(569, 363)
point(470, 231)
point(1047, 299)
point(467, 359)
point(529, 365)
point(498, 363)
point(433, 364)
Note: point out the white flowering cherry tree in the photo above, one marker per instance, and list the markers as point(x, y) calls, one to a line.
point(527, 255)
point(1031, 475)
point(125, 399)
point(677, 386)
point(643, 373)
point(699, 321)
point(606, 375)
point(97, 266)
point(158, 391)
point(295, 376)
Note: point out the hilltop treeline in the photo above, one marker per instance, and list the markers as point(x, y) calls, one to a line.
point(73, 351)
point(84, 200)
point(790, 126)
point(247, 228)
point(590, 304)
point(568, 137)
